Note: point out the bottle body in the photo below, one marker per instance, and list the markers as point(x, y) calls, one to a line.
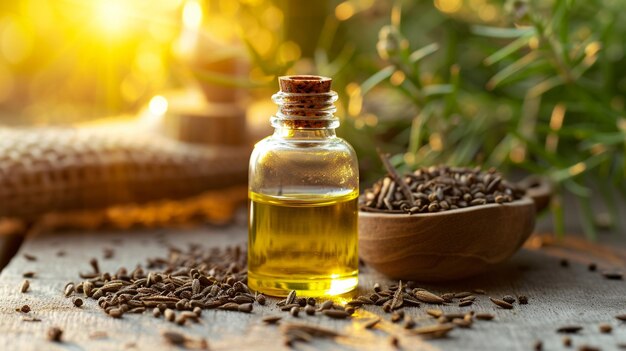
point(303, 190)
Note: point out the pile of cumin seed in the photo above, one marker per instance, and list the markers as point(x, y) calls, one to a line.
point(437, 188)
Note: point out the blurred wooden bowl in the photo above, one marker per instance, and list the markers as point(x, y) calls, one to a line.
point(444, 245)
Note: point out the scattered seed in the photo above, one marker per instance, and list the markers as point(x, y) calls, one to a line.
point(462, 323)
point(108, 253)
point(246, 308)
point(538, 345)
point(484, 316)
point(174, 338)
point(466, 303)
point(462, 295)
point(501, 303)
point(433, 331)
point(294, 311)
point(30, 257)
point(396, 317)
point(55, 334)
point(260, 299)
point(564, 262)
point(289, 307)
point(435, 312)
point(310, 330)
point(25, 286)
point(69, 289)
point(398, 298)
point(508, 298)
point(25, 309)
point(197, 311)
point(468, 298)
point(522, 299)
point(311, 301)
point(592, 267)
point(480, 291)
point(371, 323)
point(326, 305)
point(77, 301)
point(427, 296)
point(98, 334)
point(570, 329)
point(408, 322)
point(451, 316)
point(612, 275)
point(394, 341)
point(291, 297)
point(30, 319)
point(605, 328)
point(567, 341)
point(588, 348)
point(94, 265)
point(271, 319)
point(336, 314)
point(310, 310)
point(447, 297)
point(28, 274)
point(116, 313)
point(156, 312)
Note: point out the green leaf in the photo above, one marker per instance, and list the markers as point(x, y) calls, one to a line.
point(376, 79)
point(507, 50)
point(545, 85)
point(415, 140)
point(512, 69)
point(499, 32)
point(342, 60)
point(438, 89)
point(420, 53)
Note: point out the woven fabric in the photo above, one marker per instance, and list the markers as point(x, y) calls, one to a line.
point(54, 169)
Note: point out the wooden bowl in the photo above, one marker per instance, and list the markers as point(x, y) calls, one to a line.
point(444, 245)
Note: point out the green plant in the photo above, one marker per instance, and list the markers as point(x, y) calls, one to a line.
point(541, 89)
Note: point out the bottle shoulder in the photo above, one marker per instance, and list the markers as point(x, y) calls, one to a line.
point(272, 143)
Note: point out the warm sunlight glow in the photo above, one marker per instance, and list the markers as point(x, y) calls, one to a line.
point(158, 105)
point(577, 168)
point(448, 6)
point(344, 11)
point(112, 16)
point(192, 14)
point(556, 120)
point(340, 286)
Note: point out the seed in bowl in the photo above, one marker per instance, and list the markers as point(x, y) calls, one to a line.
point(437, 188)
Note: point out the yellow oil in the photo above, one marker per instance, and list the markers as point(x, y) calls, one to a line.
point(306, 243)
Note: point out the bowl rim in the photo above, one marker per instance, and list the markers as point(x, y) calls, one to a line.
point(524, 201)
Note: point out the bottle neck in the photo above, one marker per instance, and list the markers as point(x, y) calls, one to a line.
point(303, 133)
point(305, 115)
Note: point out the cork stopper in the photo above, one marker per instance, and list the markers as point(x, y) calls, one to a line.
point(304, 84)
point(305, 102)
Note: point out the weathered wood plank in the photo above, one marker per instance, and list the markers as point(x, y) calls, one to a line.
point(557, 296)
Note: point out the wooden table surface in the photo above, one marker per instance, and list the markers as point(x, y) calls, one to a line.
point(557, 296)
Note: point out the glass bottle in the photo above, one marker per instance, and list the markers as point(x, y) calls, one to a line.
point(303, 189)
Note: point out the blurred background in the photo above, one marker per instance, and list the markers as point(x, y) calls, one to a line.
point(529, 87)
